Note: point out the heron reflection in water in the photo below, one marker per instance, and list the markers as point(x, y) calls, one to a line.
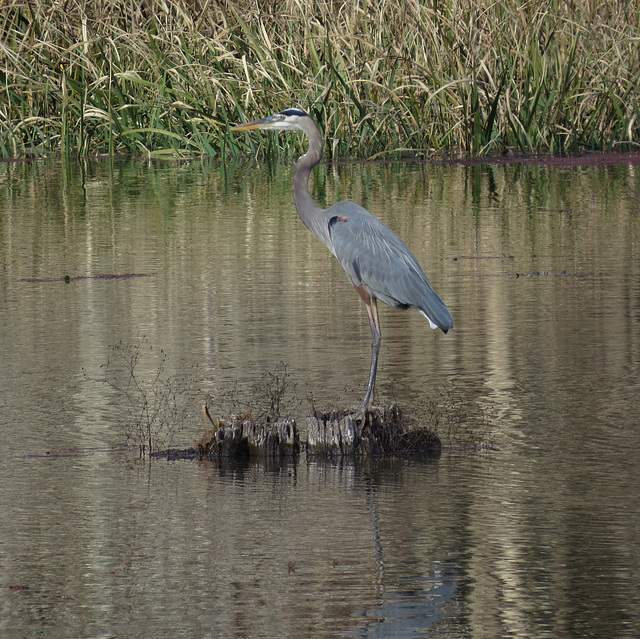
point(379, 263)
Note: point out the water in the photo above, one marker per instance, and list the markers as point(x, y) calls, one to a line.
point(540, 267)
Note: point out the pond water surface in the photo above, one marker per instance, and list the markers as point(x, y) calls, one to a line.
point(537, 536)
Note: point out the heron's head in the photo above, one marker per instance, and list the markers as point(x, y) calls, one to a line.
point(287, 120)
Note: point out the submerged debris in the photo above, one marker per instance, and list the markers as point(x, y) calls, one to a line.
point(77, 278)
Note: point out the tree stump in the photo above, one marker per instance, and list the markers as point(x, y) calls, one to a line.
point(338, 433)
point(329, 434)
point(243, 437)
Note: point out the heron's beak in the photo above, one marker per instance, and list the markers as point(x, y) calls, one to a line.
point(266, 123)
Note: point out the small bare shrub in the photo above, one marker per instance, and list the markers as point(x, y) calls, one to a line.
point(460, 422)
point(156, 404)
point(270, 399)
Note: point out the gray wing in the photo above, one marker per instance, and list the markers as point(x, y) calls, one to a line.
point(376, 258)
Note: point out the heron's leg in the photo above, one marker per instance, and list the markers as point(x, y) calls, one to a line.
point(376, 338)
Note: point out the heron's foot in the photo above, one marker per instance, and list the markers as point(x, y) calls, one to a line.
point(362, 414)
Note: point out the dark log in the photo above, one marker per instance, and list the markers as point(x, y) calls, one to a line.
point(243, 437)
point(338, 433)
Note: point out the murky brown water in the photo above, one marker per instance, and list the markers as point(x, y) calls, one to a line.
point(541, 269)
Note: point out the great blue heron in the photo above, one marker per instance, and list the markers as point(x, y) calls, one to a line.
point(379, 263)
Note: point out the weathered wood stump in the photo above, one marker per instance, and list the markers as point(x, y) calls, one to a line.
point(329, 434)
point(243, 437)
point(338, 433)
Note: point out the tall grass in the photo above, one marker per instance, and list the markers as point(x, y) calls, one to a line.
point(160, 77)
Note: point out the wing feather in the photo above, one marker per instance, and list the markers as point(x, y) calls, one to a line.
point(376, 258)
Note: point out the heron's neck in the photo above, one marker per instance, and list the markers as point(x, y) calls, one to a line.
point(306, 206)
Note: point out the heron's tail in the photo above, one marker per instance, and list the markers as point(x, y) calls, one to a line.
point(436, 311)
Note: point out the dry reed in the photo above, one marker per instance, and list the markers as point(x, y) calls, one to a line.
point(169, 77)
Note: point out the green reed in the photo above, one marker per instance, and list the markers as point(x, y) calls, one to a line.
point(168, 78)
